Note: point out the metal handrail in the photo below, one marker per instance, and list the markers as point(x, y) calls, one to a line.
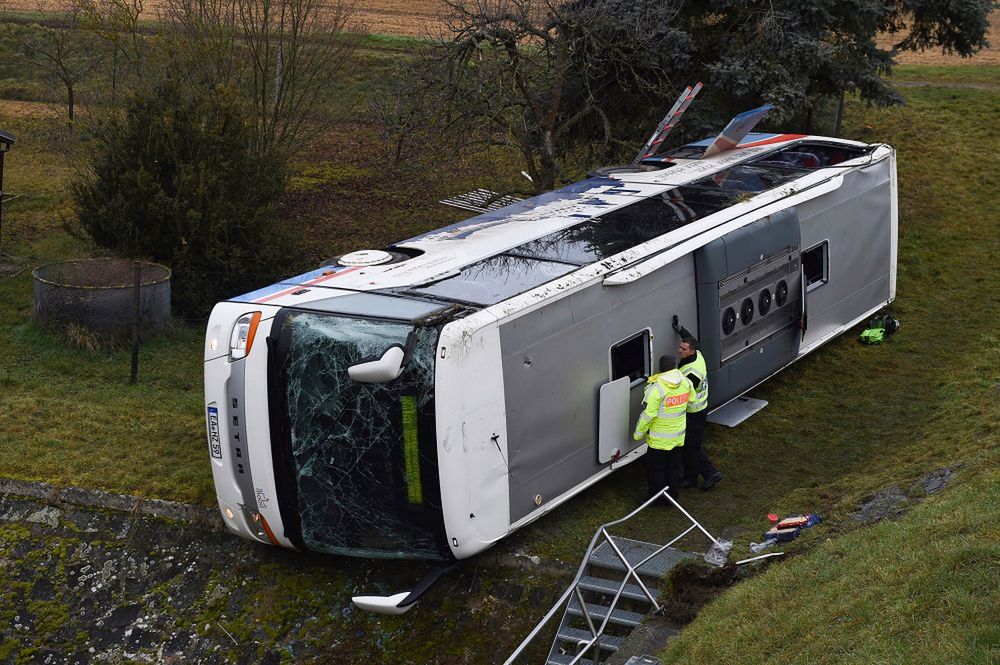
point(576, 580)
point(631, 571)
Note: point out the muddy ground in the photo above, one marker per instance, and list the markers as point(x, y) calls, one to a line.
point(92, 577)
point(92, 585)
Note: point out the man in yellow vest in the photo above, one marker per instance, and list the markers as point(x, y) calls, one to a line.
point(696, 462)
point(662, 423)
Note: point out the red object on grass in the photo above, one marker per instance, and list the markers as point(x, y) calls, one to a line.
point(773, 517)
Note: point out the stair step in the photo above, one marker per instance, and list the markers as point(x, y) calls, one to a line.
point(575, 636)
point(598, 612)
point(610, 587)
point(566, 659)
point(635, 551)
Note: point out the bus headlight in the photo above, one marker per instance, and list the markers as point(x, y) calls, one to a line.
point(243, 333)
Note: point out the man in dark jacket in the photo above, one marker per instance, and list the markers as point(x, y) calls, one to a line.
point(692, 364)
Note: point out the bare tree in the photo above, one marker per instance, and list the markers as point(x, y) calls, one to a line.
point(567, 83)
point(60, 46)
point(117, 22)
point(287, 55)
point(537, 76)
point(508, 61)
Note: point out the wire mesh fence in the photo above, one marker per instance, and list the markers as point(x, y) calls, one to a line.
point(102, 303)
point(113, 304)
point(106, 298)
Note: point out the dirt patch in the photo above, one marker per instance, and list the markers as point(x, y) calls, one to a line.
point(12, 108)
point(893, 502)
point(934, 482)
point(890, 502)
point(417, 18)
point(941, 84)
point(693, 586)
point(414, 18)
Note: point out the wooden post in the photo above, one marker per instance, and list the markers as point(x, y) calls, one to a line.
point(2, 151)
point(6, 143)
point(135, 321)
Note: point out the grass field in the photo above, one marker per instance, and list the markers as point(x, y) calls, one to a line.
point(843, 424)
point(919, 590)
point(948, 74)
point(926, 588)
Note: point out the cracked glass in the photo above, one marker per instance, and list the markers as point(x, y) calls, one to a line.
point(363, 454)
point(494, 279)
point(619, 230)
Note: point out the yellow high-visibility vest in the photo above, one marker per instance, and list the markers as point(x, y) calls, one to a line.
point(698, 369)
point(664, 417)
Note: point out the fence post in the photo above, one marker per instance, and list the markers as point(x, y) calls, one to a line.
point(135, 321)
point(6, 143)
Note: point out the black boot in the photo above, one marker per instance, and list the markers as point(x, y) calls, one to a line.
point(711, 481)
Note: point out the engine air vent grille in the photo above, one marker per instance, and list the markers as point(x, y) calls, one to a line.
point(748, 310)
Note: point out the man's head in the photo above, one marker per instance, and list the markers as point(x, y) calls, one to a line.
point(688, 347)
point(667, 363)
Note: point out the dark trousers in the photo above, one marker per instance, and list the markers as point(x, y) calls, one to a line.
point(663, 468)
point(696, 462)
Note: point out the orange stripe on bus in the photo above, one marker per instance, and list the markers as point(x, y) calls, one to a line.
point(267, 530)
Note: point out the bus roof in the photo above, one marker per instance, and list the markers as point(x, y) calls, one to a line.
point(498, 254)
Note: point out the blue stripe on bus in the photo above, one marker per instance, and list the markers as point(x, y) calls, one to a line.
point(285, 284)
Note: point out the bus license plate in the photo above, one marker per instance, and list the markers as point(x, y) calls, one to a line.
point(214, 443)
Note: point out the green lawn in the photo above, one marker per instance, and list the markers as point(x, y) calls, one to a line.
point(923, 589)
point(945, 74)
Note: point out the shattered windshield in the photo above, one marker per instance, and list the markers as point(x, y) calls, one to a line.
point(363, 455)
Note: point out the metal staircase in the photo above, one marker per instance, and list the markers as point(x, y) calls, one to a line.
point(612, 592)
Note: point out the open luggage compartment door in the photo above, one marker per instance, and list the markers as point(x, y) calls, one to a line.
point(614, 429)
point(749, 303)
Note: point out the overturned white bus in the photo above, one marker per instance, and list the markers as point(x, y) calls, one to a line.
point(429, 399)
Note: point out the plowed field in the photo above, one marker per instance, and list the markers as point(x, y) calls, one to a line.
point(417, 18)
point(989, 56)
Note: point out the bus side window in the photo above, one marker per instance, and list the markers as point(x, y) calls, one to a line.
point(816, 264)
point(631, 357)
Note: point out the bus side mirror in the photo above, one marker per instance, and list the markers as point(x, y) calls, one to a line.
point(386, 368)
